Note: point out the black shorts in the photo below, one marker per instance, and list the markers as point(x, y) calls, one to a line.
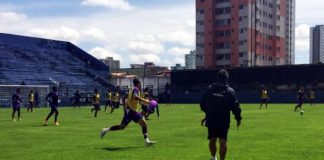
point(265, 100)
point(15, 108)
point(31, 104)
point(108, 103)
point(116, 104)
point(217, 133)
point(97, 107)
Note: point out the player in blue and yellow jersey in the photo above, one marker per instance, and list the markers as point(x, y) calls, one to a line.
point(31, 100)
point(77, 98)
point(16, 101)
point(264, 98)
point(53, 99)
point(96, 102)
point(36, 99)
point(132, 114)
point(300, 98)
point(108, 99)
point(115, 100)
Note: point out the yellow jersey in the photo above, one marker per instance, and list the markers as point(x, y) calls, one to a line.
point(97, 98)
point(116, 97)
point(132, 102)
point(264, 94)
point(31, 97)
point(109, 96)
point(312, 95)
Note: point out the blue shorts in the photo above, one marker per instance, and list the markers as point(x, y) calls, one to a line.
point(97, 106)
point(53, 107)
point(16, 108)
point(131, 115)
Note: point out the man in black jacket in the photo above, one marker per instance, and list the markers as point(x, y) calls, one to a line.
point(217, 102)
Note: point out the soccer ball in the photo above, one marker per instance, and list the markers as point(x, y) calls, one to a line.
point(301, 113)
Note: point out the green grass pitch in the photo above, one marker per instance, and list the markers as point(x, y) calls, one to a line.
point(277, 133)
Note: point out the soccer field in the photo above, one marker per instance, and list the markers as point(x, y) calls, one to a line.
point(277, 133)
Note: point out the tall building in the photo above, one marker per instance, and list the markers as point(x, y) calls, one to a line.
point(317, 44)
point(244, 33)
point(113, 64)
point(190, 60)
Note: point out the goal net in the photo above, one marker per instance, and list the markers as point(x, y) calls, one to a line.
point(6, 92)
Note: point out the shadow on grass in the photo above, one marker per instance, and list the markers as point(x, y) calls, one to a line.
point(114, 149)
point(41, 125)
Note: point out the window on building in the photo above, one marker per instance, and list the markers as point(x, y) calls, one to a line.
point(227, 56)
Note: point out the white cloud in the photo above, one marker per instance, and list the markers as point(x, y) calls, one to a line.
point(12, 16)
point(181, 37)
point(141, 58)
point(302, 37)
point(104, 53)
point(145, 47)
point(114, 4)
point(176, 51)
point(94, 34)
point(62, 33)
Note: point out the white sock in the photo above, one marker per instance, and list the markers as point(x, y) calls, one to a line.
point(106, 129)
point(214, 158)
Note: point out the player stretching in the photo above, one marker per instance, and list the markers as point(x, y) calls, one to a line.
point(53, 99)
point(264, 98)
point(300, 98)
point(133, 100)
point(217, 102)
point(16, 105)
point(96, 102)
point(31, 99)
point(77, 97)
point(108, 100)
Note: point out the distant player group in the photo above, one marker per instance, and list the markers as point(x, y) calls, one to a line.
point(217, 103)
point(301, 98)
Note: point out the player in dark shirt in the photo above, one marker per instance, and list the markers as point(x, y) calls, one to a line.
point(77, 97)
point(300, 98)
point(16, 101)
point(53, 100)
point(36, 99)
point(217, 103)
point(168, 97)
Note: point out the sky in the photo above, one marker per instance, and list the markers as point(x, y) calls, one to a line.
point(132, 31)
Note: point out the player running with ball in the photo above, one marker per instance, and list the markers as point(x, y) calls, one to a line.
point(131, 114)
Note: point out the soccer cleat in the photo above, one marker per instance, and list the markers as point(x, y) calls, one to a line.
point(103, 132)
point(14, 120)
point(56, 124)
point(19, 119)
point(148, 142)
point(45, 122)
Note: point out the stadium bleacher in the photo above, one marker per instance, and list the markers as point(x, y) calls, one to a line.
point(36, 61)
